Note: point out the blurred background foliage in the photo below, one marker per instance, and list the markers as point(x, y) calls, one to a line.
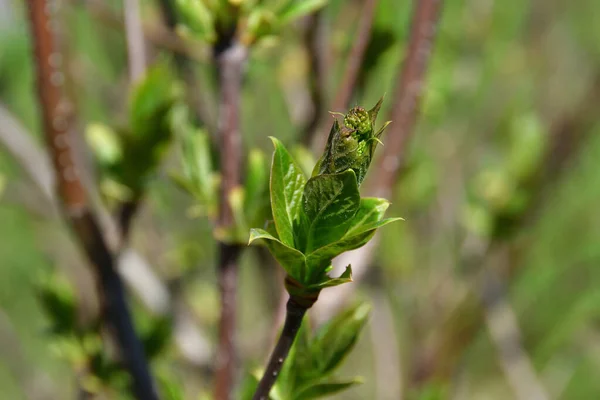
point(502, 174)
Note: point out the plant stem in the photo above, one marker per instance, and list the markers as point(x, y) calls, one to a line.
point(230, 57)
point(57, 123)
point(293, 320)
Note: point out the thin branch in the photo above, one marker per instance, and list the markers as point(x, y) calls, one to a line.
point(354, 62)
point(136, 46)
point(57, 122)
point(505, 334)
point(230, 58)
point(293, 320)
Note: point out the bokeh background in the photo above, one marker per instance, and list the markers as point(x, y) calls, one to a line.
point(490, 288)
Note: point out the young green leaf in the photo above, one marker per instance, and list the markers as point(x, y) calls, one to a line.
point(345, 277)
point(290, 259)
point(335, 340)
point(330, 202)
point(323, 389)
point(287, 183)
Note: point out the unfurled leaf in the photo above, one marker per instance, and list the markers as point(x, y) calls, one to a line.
point(295, 9)
point(323, 389)
point(345, 277)
point(287, 183)
point(335, 340)
point(330, 202)
point(292, 260)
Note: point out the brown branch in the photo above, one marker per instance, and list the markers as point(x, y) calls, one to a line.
point(230, 57)
point(293, 320)
point(405, 109)
point(136, 46)
point(57, 121)
point(354, 62)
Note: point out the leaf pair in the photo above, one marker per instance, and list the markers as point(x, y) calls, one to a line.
point(316, 220)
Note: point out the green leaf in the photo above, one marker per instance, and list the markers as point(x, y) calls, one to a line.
point(197, 164)
point(287, 183)
point(330, 202)
point(345, 277)
point(323, 389)
point(157, 337)
point(335, 340)
point(197, 20)
point(371, 209)
point(295, 9)
point(319, 260)
point(290, 259)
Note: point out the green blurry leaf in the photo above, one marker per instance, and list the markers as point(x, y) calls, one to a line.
point(290, 259)
point(150, 98)
point(104, 142)
point(58, 300)
point(335, 339)
point(256, 200)
point(295, 9)
point(287, 183)
point(248, 386)
point(197, 20)
point(324, 389)
point(261, 22)
point(330, 202)
point(157, 337)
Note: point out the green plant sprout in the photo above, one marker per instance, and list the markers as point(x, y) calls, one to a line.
point(318, 219)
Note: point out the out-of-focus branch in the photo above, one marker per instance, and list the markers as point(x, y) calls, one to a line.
point(20, 144)
point(136, 53)
point(136, 272)
point(348, 83)
point(505, 334)
point(405, 111)
point(136, 46)
point(230, 57)
point(57, 121)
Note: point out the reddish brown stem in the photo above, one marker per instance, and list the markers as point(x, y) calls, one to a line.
point(405, 109)
point(293, 320)
point(57, 122)
point(230, 63)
